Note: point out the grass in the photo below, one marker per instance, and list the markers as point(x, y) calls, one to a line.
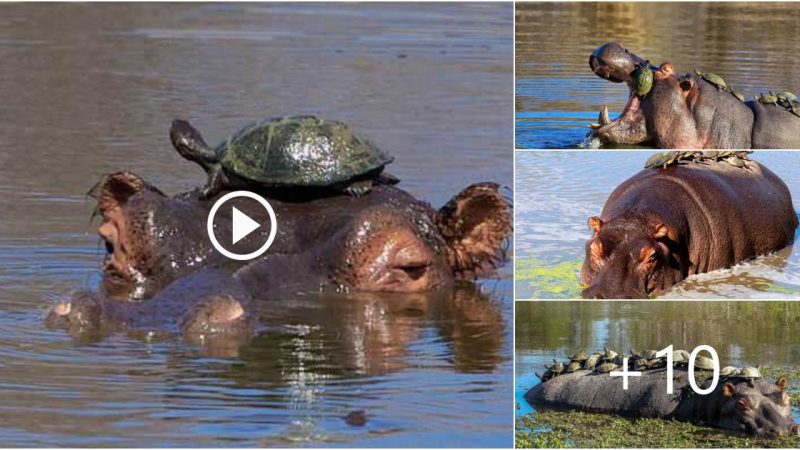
point(558, 429)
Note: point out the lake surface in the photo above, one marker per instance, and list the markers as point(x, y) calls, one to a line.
point(556, 193)
point(751, 45)
point(89, 89)
point(742, 333)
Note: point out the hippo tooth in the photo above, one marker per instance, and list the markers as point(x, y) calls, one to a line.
point(604, 116)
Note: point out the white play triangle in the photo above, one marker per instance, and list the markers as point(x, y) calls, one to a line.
point(242, 225)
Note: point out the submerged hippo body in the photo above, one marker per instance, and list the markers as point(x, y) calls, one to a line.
point(759, 407)
point(161, 271)
point(665, 224)
point(686, 111)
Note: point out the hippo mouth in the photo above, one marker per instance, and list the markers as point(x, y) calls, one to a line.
point(628, 128)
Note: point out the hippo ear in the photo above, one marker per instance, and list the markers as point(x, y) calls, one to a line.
point(476, 224)
point(647, 258)
point(782, 383)
point(728, 390)
point(114, 190)
point(595, 224)
point(660, 231)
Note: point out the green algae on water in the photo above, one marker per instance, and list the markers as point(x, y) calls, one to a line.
point(543, 280)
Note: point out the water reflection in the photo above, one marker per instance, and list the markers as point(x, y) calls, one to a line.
point(557, 96)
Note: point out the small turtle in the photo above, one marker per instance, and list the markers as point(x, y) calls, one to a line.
point(574, 366)
point(749, 373)
point(640, 365)
point(608, 355)
point(591, 362)
point(662, 159)
point(605, 367)
point(729, 372)
point(712, 78)
point(769, 99)
point(737, 94)
point(548, 374)
point(703, 363)
point(557, 367)
point(648, 354)
point(736, 161)
point(656, 363)
point(680, 357)
point(787, 96)
point(642, 80)
point(286, 152)
point(581, 356)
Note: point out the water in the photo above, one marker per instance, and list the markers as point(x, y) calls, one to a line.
point(557, 192)
point(90, 89)
point(742, 333)
point(749, 44)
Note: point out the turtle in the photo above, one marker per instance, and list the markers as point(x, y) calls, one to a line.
point(712, 78)
point(581, 356)
point(647, 354)
point(769, 99)
point(787, 96)
point(736, 161)
point(591, 362)
point(749, 373)
point(286, 153)
point(729, 371)
point(574, 366)
point(736, 94)
point(640, 365)
point(642, 80)
point(656, 363)
point(703, 363)
point(548, 374)
point(608, 355)
point(557, 367)
point(605, 367)
point(662, 159)
point(680, 357)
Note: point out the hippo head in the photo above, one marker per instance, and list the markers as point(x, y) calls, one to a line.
point(628, 258)
point(673, 114)
point(758, 407)
point(385, 241)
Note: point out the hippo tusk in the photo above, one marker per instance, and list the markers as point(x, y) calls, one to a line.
point(604, 120)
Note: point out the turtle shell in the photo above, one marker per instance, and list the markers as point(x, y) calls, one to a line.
point(300, 151)
point(580, 356)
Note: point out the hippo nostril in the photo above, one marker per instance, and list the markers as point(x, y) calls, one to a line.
point(62, 309)
point(109, 247)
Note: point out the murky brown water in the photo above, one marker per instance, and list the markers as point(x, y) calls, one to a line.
point(89, 89)
point(557, 192)
point(742, 333)
point(751, 45)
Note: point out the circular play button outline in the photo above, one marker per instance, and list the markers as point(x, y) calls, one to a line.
point(273, 225)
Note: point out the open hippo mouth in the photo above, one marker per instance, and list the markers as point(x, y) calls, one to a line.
point(615, 63)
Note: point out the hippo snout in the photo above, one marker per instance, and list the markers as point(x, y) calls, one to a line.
point(614, 62)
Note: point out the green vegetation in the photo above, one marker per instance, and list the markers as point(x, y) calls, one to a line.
point(553, 429)
point(544, 280)
point(556, 429)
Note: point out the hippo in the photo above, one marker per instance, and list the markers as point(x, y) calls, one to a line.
point(686, 111)
point(756, 407)
point(664, 224)
point(161, 272)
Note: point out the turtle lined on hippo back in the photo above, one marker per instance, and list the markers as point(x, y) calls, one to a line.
point(288, 154)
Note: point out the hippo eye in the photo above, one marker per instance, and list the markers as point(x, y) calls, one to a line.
point(415, 271)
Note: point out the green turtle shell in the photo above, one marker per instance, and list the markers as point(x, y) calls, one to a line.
point(299, 151)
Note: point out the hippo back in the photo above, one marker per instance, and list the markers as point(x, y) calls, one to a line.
point(589, 391)
point(774, 127)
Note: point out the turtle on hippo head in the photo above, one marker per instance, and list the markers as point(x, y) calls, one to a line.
point(301, 153)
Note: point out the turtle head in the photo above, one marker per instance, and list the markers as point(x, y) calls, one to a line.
point(191, 145)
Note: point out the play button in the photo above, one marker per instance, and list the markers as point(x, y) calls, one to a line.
point(242, 225)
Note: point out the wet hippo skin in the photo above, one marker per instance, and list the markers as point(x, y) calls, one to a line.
point(686, 111)
point(161, 272)
point(756, 407)
point(664, 224)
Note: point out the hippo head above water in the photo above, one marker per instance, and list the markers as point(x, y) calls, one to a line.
point(686, 111)
point(628, 259)
point(757, 408)
point(160, 262)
